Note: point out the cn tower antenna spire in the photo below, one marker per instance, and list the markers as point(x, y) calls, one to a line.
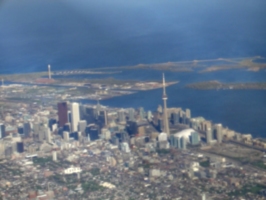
point(164, 90)
point(165, 113)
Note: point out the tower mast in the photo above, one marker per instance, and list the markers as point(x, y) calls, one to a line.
point(165, 113)
point(49, 71)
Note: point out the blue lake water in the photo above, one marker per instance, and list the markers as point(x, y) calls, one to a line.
point(71, 34)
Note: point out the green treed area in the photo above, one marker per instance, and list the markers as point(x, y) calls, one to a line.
point(95, 171)
point(255, 189)
point(163, 151)
point(14, 171)
point(41, 161)
point(205, 163)
point(259, 164)
point(92, 186)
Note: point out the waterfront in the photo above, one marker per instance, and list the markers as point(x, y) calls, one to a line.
point(245, 115)
point(241, 110)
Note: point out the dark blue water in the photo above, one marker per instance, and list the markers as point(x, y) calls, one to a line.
point(70, 34)
point(230, 76)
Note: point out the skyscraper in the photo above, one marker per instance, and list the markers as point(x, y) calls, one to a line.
point(48, 134)
point(93, 131)
point(165, 115)
point(62, 113)
point(69, 116)
point(82, 126)
point(102, 118)
point(194, 138)
point(20, 147)
point(173, 141)
point(209, 136)
point(188, 113)
point(183, 142)
point(26, 129)
point(125, 147)
point(131, 113)
point(219, 133)
point(121, 116)
point(2, 131)
point(106, 117)
point(175, 118)
point(188, 116)
point(75, 116)
point(54, 156)
point(141, 113)
point(149, 115)
point(49, 71)
point(66, 135)
point(98, 108)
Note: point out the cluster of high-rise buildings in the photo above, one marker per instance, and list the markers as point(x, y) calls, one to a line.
point(71, 124)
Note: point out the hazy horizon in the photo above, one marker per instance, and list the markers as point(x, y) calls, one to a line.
point(84, 34)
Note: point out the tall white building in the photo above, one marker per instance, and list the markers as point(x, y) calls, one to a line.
point(48, 135)
point(66, 135)
point(209, 135)
point(125, 147)
point(54, 156)
point(219, 133)
point(162, 137)
point(75, 116)
point(203, 196)
point(82, 126)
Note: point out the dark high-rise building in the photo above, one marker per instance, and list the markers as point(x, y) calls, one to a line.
point(2, 131)
point(90, 115)
point(122, 136)
point(132, 128)
point(62, 114)
point(51, 123)
point(147, 139)
point(74, 135)
point(69, 116)
point(20, 130)
point(20, 147)
point(26, 129)
point(67, 127)
point(175, 117)
point(93, 131)
point(82, 111)
point(114, 140)
point(60, 131)
point(102, 119)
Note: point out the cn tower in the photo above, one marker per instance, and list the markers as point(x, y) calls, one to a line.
point(165, 113)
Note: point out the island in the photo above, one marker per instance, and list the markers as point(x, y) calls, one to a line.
point(216, 85)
